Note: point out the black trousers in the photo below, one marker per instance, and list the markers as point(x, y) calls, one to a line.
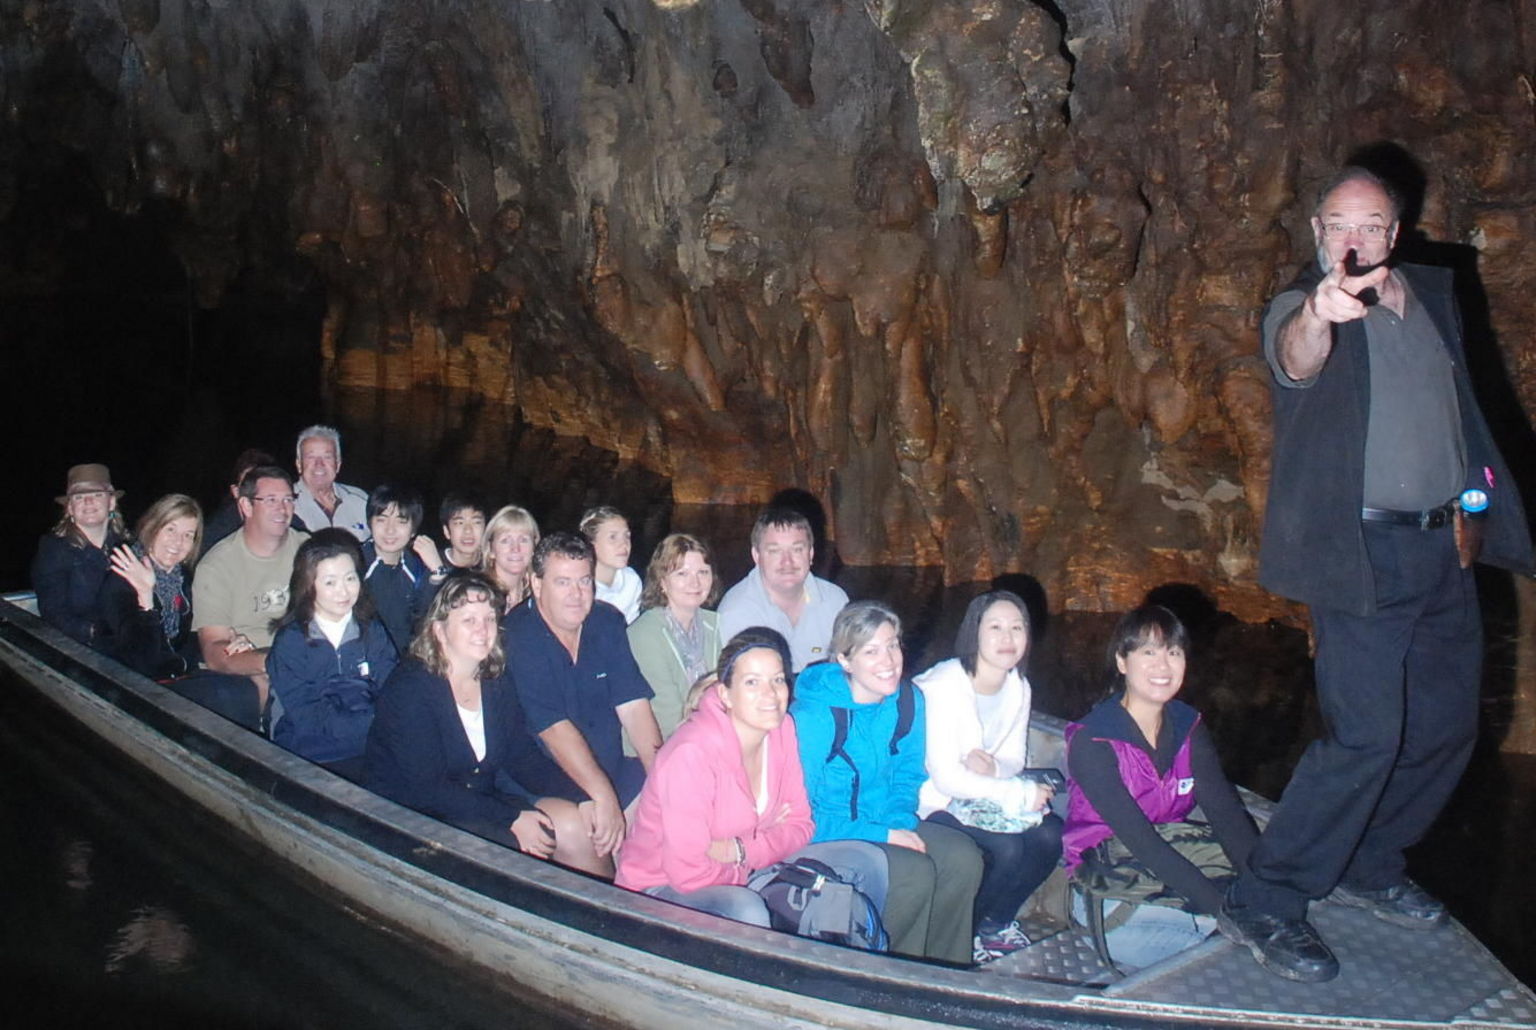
point(1399, 697)
point(1013, 865)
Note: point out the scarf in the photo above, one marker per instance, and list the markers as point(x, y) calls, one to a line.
point(171, 599)
point(689, 643)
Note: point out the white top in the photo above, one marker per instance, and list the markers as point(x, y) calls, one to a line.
point(956, 727)
point(748, 604)
point(762, 781)
point(474, 729)
point(351, 510)
point(333, 631)
point(624, 594)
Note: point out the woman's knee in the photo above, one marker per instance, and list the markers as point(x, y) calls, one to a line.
point(573, 845)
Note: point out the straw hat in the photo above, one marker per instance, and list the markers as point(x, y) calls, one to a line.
point(84, 479)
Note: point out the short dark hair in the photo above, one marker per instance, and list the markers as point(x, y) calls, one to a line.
point(260, 472)
point(456, 501)
point(777, 517)
point(748, 639)
point(250, 458)
point(1359, 173)
point(564, 544)
point(404, 499)
point(1147, 624)
point(968, 636)
point(322, 545)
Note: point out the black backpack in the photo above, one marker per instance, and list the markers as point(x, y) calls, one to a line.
point(808, 898)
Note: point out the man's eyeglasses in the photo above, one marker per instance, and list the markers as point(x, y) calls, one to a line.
point(276, 500)
point(1338, 230)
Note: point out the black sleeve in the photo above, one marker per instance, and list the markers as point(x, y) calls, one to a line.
point(1219, 801)
point(1092, 764)
point(135, 636)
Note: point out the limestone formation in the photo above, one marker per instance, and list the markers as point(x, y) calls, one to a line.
point(984, 275)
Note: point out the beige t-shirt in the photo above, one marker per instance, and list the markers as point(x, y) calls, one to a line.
point(233, 587)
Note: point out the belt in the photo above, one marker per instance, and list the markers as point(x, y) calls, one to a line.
point(1430, 518)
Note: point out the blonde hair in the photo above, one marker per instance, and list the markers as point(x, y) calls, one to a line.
point(167, 509)
point(507, 519)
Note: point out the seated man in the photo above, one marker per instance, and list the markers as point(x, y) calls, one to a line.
point(463, 516)
point(321, 500)
point(780, 591)
point(580, 685)
point(401, 571)
point(226, 519)
point(241, 586)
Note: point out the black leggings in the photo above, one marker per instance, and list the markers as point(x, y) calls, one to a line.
point(1013, 865)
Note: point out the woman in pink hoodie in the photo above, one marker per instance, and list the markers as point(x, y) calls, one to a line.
point(726, 796)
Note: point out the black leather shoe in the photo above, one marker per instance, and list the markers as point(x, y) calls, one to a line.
point(1404, 904)
point(1286, 947)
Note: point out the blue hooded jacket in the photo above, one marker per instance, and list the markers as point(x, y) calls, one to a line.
point(869, 785)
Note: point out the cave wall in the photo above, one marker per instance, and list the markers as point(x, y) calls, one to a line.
point(983, 274)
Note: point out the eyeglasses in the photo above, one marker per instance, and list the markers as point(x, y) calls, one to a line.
point(1338, 230)
point(277, 500)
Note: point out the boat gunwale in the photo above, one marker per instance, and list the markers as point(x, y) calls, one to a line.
point(644, 935)
point(610, 916)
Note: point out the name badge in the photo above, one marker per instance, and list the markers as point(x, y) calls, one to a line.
point(362, 668)
point(1186, 786)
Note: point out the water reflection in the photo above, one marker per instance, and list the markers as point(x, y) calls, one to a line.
point(119, 913)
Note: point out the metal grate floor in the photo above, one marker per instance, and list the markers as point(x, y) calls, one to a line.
point(1442, 976)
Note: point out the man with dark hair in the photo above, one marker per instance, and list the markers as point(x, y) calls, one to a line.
point(242, 585)
point(780, 592)
point(226, 519)
point(1379, 451)
point(401, 570)
point(463, 518)
point(580, 686)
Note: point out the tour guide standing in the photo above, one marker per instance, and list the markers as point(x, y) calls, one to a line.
point(1377, 435)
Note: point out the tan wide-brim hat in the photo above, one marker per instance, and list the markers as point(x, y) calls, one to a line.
point(84, 479)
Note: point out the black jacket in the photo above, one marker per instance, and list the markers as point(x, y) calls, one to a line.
point(1314, 549)
point(68, 575)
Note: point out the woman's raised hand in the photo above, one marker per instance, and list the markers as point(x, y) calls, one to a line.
point(138, 572)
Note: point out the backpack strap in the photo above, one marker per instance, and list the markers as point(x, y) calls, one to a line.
point(839, 738)
point(906, 712)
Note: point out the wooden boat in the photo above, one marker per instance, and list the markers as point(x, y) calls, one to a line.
point(637, 961)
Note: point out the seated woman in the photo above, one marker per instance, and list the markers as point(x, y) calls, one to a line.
point(675, 640)
point(507, 550)
point(862, 732)
point(449, 738)
point(330, 655)
point(726, 796)
point(978, 729)
point(73, 560)
point(1137, 765)
point(607, 530)
point(147, 605)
